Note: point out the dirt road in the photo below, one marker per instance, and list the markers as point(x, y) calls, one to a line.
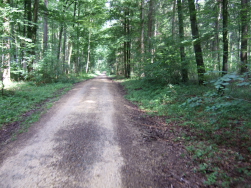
point(89, 139)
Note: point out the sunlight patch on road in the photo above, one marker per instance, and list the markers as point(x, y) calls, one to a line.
point(93, 88)
point(90, 101)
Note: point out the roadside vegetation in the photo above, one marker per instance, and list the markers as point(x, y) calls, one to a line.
point(215, 127)
point(21, 103)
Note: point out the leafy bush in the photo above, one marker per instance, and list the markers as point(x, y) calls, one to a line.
point(165, 68)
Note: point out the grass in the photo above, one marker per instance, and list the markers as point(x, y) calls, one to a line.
point(20, 99)
point(216, 129)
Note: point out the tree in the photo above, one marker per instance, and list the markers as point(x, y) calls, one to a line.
point(197, 43)
point(151, 28)
point(5, 77)
point(142, 30)
point(225, 36)
point(244, 36)
point(184, 70)
point(45, 36)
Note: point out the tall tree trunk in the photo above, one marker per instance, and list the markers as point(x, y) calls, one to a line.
point(125, 51)
point(173, 18)
point(77, 59)
point(184, 68)
point(225, 36)
point(127, 46)
point(28, 11)
point(60, 41)
point(128, 51)
point(45, 37)
point(5, 76)
point(88, 53)
point(74, 12)
point(34, 24)
point(64, 52)
point(151, 27)
point(216, 43)
point(69, 57)
point(142, 33)
point(244, 36)
point(197, 45)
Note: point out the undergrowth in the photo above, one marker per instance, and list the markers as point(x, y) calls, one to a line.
point(217, 127)
point(20, 98)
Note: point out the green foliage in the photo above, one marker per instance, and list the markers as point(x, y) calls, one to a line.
point(217, 128)
point(23, 97)
point(165, 69)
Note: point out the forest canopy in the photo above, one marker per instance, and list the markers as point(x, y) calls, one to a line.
point(171, 41)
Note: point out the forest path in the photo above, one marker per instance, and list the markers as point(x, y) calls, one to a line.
point(75, 147)
point(92, 138)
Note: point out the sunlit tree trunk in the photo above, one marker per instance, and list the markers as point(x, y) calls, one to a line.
point(28, 30)
point(216, 42)
point(6, 44)
point(197, 43)
point(70, 47)
point(77, 58)
point(64, 64)
point(88, 53)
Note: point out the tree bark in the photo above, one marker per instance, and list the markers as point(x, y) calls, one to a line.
point(127, 44)
point(151, 27)
point(28, 11)
point(244, 36)
point(225, 36)
point(184, 71)
point(5, 69)
point(88, 53)
point(29, 18)
point(197, 44)
point(35, 18)
point(45, 37)
point(173, 18)
point(216, 43)
point(60, 41)
point(142, 33)
point(70, 46)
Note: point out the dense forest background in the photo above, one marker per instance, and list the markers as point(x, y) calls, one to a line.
point(185, 60)
point(169, 41)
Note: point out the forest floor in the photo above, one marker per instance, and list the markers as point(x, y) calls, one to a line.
point(93, 137)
